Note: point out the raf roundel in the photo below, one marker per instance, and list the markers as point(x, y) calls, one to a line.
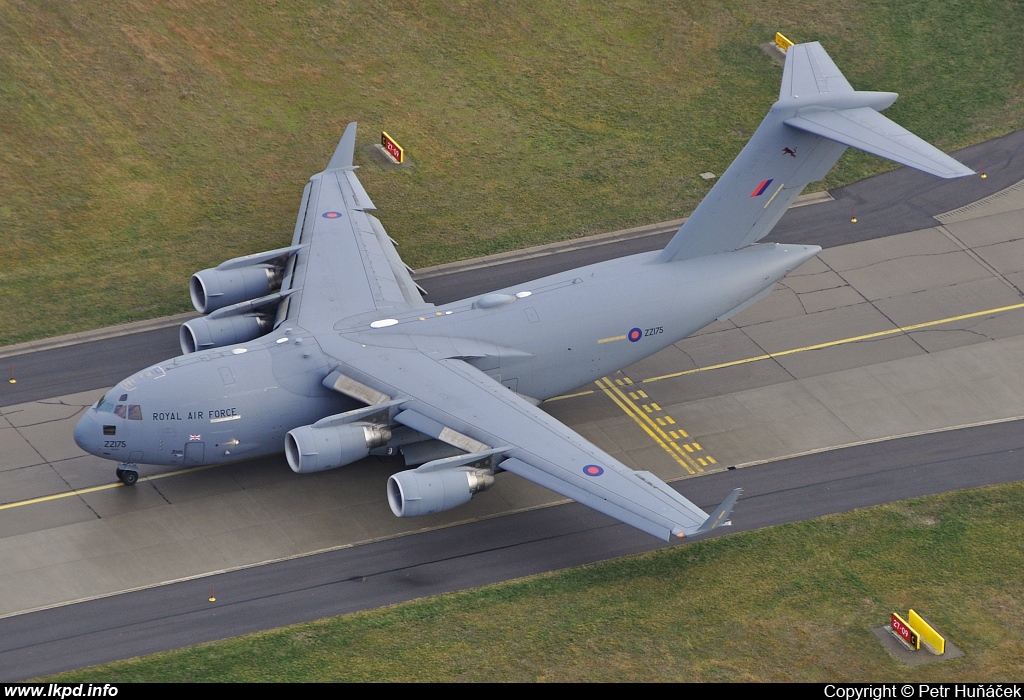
point(593, 470)
point(635, 335)
point(332, 214)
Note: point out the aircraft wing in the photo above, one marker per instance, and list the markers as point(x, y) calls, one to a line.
point(453, 401)
point(344, 253)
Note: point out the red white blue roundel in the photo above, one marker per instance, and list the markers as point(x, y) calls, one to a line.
point(635, 335)
point(593, 470)
point(332, 214)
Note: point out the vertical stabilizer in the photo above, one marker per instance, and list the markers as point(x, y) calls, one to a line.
point(817, 116)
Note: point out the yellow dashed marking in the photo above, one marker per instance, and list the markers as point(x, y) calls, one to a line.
point(633, 395)
point(639, 415)
point(611, 392)
point(671, 421)
point(687, 447)
point(660, 421)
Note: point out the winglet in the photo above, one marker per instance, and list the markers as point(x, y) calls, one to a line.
point(342, 157)
point(721, 514)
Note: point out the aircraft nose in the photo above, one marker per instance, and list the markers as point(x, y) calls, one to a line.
point(87, 432)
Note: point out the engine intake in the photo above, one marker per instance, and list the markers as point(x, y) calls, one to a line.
point(412, 492)
point(311, 450)
point(214, 288)
point(206, 333)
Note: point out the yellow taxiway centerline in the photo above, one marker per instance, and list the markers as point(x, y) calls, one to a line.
point(666, 447)
point(818, 346)
point(104, 487)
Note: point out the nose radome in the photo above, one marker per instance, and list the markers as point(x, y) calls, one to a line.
point(87, 433)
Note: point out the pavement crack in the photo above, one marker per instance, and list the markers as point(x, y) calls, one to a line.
point(889, 260)
point(160, 493)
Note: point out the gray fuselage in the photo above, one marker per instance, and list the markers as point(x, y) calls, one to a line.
point(540, 339)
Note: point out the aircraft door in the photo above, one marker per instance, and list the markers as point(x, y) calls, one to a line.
point(194, 452)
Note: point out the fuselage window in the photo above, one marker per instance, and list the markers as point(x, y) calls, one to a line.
point(134, 411)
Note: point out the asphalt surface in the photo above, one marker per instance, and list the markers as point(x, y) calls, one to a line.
point(469, 555)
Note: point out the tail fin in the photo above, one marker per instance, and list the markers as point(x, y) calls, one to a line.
point(817, 116)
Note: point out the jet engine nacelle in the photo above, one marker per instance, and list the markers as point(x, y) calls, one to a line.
point(206, 333)
point(310, 449)
point(412, 492)
point(213, 288)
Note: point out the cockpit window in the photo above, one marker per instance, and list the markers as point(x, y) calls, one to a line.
point(124, 397)
point(134, 411)
point(104, 406)
point(119, 410)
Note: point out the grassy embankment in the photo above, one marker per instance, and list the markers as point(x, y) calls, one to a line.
point(794, 603)
point(141, 142)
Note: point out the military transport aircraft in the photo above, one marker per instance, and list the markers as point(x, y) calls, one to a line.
point(326, 349)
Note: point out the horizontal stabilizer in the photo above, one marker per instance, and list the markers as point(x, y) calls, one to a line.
point(866, 129)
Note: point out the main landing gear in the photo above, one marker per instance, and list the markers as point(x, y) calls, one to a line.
point(127, 473)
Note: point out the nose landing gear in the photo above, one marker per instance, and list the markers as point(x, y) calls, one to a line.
point(127, 473)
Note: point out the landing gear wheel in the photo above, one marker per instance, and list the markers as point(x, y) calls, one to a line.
point(128, 476)
point(119, 473)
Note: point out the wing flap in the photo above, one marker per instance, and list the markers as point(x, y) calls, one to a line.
point(658, 528)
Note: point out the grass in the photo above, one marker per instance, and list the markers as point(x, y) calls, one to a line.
point(789, 603)
point(142, 142)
